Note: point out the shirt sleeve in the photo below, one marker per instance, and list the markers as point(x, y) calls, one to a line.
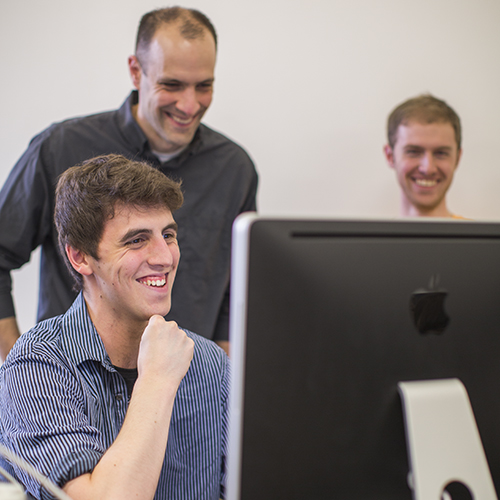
point(53, 431)
point(250, 202)
point(25, 217)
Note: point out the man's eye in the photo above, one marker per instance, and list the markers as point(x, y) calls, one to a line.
point(170, 236)
point(135, 241)
point(204, 87)
point(442, 154)
point(171, 86)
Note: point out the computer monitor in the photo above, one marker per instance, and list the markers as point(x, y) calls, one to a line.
point(327, 317)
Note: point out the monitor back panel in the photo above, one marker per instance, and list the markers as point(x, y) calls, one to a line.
point(323, 331)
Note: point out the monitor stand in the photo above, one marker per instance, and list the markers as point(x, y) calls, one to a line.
point(446, 456)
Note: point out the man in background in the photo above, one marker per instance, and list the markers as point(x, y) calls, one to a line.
point(424, 149)
point(160, 122)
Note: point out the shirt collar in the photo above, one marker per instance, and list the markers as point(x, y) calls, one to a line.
point(80, 339)
point(129, 127)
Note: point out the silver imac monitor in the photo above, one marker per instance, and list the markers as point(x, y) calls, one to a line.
point(327, 318)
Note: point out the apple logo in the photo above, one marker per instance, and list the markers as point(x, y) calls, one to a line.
point(427, 308)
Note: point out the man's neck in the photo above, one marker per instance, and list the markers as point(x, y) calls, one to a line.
point(121, 339)
point(409, 210)
point(164, 157)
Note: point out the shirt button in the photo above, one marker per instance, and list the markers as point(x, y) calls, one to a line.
point(118, 397)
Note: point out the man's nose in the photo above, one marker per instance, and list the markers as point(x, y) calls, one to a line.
point(427, 164)
point(188, 102)
point(162, 253)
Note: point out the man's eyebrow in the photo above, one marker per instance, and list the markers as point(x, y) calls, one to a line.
point(180, 82)
point(166, 79)
point(173, 226)
point(416, 146)
point(134, 232)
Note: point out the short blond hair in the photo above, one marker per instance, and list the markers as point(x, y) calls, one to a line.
point(424, 108)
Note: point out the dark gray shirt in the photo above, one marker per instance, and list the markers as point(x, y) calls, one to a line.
point(219, 182)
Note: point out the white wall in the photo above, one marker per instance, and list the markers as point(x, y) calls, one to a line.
point(304, 85)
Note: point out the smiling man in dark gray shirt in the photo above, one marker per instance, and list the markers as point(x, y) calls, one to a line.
point(173, 73)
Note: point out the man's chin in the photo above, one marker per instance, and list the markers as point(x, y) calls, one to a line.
point(162, 311)
point(158, 309)
point(179, 137)
point(427, 200)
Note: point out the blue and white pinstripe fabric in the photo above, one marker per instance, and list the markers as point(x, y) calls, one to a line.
point(62, 405)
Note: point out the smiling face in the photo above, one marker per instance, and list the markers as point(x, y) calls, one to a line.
point(425, 157)
point(175, 82)
point(133, 277)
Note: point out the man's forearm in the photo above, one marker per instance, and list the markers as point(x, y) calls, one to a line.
point(9, 333)
point(130, 468)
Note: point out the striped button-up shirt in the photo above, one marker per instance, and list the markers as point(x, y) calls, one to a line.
point(62, 405)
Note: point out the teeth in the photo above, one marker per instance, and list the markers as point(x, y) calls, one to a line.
point(426, 182)
point(182, 121)
point(155, 282)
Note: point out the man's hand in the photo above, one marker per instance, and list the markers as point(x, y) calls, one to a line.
point(165, 351)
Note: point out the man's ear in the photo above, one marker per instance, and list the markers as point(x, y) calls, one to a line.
point(78, 260)
point(389, 155)
point(459, 157)
point(135, 70)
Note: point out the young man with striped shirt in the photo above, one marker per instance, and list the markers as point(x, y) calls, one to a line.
point(109, 400)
